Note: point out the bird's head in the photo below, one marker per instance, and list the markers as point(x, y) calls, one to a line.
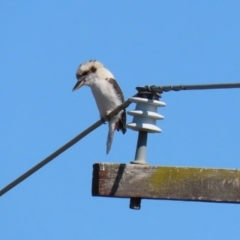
point(89, 72)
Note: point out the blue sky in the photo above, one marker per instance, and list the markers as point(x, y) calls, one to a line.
point(142, 43)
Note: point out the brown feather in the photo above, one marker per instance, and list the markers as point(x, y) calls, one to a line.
point(122, 121)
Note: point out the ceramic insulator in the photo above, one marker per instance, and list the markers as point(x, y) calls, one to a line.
point(145, 115)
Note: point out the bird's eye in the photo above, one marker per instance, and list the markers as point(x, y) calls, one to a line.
point(93, 69)
point(85, 73)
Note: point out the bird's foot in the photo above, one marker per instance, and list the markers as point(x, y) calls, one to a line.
point(108, 118)
point(103, 120)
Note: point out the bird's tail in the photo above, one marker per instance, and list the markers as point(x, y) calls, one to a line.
point(110, 136)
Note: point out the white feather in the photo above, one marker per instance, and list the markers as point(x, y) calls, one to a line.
point(106, 100)
point(104, 94)
point(111, 126)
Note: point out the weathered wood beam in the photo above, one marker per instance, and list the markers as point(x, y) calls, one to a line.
point(173, 183)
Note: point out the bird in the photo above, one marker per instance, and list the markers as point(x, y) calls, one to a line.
point(107, 93)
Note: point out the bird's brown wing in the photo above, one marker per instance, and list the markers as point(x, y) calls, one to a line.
point(116, 88)
point(121, 125)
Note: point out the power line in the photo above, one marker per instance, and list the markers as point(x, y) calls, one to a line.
point(161, 89)
point(63, 148)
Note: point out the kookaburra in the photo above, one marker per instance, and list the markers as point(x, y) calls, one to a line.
point(107, 93)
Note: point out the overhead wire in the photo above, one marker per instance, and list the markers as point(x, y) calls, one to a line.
point(64, 148)
point(161, 89)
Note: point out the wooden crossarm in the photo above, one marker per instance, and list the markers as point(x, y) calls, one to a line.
point(160, 182)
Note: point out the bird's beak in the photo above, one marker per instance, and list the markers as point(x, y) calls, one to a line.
point(79, 84)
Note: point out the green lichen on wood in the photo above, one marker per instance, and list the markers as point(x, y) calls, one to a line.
point(158, 182)
point(193, 182)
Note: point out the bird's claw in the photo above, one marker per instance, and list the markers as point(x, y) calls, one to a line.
point(108, 118)
point(103, 120)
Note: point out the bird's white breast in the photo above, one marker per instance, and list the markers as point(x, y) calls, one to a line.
point(105, 96)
